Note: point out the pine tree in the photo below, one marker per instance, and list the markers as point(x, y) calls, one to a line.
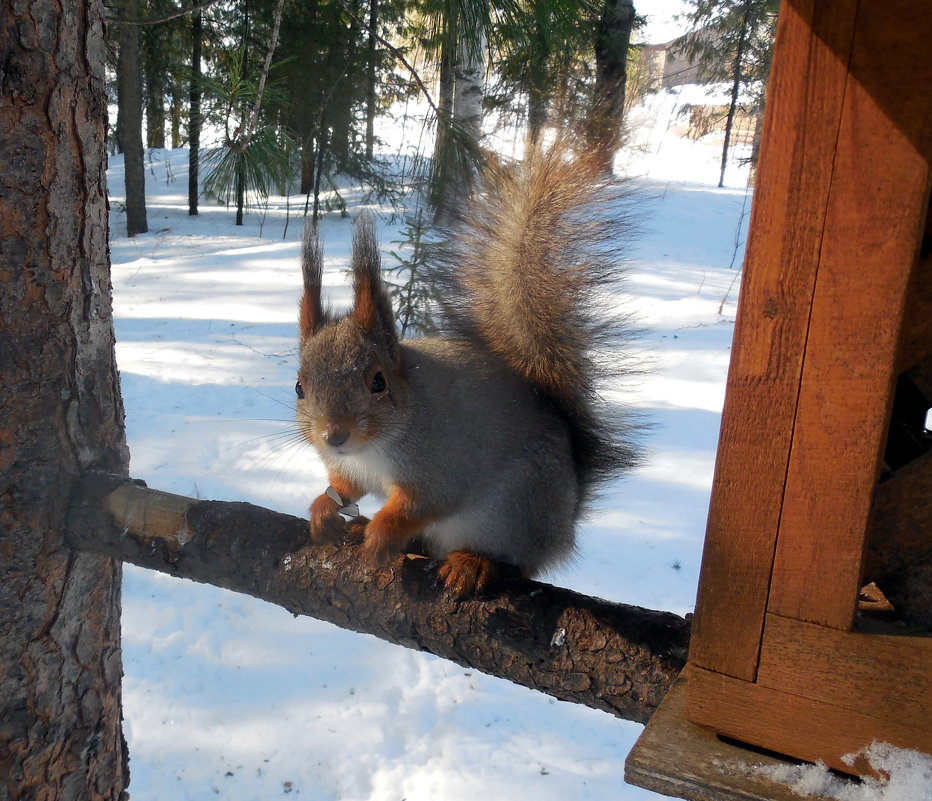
point(165, 50)
point(255, 152)
point(732, 40)
point(337, 77)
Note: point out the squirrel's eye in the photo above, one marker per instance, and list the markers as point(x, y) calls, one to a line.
point(299, 390)
point(378, 383)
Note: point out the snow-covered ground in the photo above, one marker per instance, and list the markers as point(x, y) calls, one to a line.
point(225, 695)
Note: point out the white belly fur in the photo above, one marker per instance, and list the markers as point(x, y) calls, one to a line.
point(368, 469)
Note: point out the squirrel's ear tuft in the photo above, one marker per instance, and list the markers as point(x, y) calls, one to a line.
point(313, 315)
point(372, 307)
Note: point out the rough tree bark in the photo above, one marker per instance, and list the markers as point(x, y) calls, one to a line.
point(60, 410)
point(621, 659)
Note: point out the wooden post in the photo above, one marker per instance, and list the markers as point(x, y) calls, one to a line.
point(827, 310)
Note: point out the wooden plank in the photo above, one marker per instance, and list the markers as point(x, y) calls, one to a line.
point(874, 222)
point(790, 724)
point(798, 145)
point(675, 757)
point(885, 677)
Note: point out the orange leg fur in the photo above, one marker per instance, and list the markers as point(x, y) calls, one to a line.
point(391, 528)
point(467, 574)
point(326, 524)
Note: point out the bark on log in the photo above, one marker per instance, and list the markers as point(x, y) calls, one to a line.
point(613, 657)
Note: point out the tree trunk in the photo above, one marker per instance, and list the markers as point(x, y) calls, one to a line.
point(308, 163)
point(371, 77)
point(735, 92)
point(617, 658)
point(442, 141)
point(155, 108)
point(194, 113)
point(536, 84)
point(240, 190)
point(469, 89)
point(174, 112)
point(320, 155)
point(60, 413)
point(611, 58)
point(446, 86)
point(536, 114)
point(129, 90)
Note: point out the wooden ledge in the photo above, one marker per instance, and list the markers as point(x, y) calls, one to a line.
point(678, 758)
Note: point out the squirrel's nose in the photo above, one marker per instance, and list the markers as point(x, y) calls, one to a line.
point(335, 436)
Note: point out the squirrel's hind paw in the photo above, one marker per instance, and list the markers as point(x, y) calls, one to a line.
point(465, 574)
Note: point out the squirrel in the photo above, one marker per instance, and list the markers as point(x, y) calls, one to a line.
point(489, 440)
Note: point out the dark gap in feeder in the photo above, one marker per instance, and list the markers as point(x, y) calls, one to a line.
point(907, 438)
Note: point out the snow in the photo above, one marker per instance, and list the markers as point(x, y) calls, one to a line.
point(228, 696)
point(907, 776)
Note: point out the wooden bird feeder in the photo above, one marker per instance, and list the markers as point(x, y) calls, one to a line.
point(824, 475)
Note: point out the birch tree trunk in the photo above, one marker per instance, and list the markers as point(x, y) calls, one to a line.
point(469, 89)
point(60, 410)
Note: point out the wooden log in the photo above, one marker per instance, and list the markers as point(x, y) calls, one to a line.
point(617, 658)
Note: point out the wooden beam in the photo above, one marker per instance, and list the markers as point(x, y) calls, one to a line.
point(789, 724)
point(617, 658)
point(873, 226)
point(675, 757)
point(801, 128)
point(883, 676)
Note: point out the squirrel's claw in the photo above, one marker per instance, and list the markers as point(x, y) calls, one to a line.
point(466, 574)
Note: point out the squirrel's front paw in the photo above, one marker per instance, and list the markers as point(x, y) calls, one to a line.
point(378, 549)
point(356, 529)
point(327, 526)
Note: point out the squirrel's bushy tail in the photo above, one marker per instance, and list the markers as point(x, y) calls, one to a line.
point(533, 263)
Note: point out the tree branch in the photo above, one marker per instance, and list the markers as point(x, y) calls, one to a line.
point(165, 18)
point(396, 52)
point(613, 657)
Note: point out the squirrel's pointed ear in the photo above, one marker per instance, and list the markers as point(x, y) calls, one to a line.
point(313, 315)
point(372, 307)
